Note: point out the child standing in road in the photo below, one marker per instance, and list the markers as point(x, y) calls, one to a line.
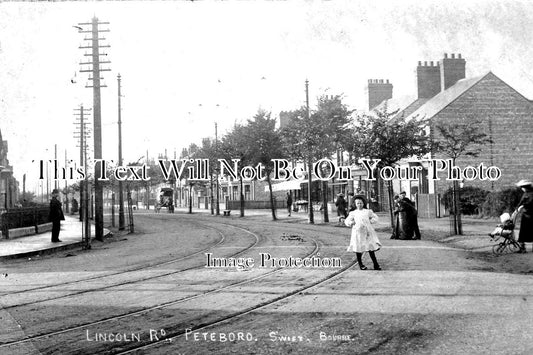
point(364, 238)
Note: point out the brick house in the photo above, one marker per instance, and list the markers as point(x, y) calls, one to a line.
point(8, 184)
point(505, 116)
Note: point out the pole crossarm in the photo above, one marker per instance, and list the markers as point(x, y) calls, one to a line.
point(90, 23)
point(100, 62)
point(91, 47)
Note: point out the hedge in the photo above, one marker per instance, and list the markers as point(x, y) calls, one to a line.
point(476, 201)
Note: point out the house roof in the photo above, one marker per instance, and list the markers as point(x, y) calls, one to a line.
point(438, 102)
point(415, 105)
point(394, 104)
point(405, 105)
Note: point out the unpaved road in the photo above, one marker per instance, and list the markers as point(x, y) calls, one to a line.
point(430, 298)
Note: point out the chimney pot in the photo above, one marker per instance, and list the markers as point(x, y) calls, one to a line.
point(387, 81)
point(381, 81)
point(431, 63)
point(419, 63)
point(445, 55)
point(425, 64)
point(459, 55)
point(453, 55)
point(369, 80)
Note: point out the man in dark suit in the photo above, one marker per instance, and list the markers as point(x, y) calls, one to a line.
point(55, 216)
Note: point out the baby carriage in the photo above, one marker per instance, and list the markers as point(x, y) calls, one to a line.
point(504, 233)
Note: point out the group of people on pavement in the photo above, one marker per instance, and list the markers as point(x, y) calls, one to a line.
point(406, 218)
point(364, 237)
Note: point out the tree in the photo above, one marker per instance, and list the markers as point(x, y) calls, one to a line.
point(206, 151)
point(234, 146)
point(209, 151)
point(331, 111)
point(262, 141)
point(318, 136)
point(383, 136)
point(28, 199)
point(456, 139)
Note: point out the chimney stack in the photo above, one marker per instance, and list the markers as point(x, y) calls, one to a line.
point(451, 70)
point(428, 80)
point(378, 91)
point(435, 77)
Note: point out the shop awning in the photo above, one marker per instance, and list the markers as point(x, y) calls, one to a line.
point(286, 185)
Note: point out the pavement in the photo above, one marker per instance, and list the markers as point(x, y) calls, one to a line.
point(474, 236)
point(37, 244)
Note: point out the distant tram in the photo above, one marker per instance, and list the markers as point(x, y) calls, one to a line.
point(166, 198)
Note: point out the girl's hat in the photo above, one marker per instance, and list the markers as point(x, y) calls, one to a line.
point(360, 197)
point(523, 182)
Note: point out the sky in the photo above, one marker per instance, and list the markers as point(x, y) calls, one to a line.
point(186, 65)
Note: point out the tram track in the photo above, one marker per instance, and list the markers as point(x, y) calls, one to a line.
point(100, 277)
point(231, 317)
point(156, 307)
point(130, 269)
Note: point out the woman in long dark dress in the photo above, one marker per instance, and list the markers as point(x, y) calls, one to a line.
point(525, 206)
point(402, 228)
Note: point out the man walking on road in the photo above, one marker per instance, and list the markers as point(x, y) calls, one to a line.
point(289, 203)
point(55, 216)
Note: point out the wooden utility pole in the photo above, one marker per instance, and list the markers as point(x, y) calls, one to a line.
point(309, 162)
point(97, 112)
point(121, 222)
point(217, 186)
point(56, 182)
point(24, 188)
point(84, 186)
point(66, 188)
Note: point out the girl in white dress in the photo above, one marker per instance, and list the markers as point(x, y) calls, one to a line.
point(364, 237)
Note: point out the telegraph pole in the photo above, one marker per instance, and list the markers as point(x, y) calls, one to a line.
point(56, 182)
point(121, 221)
point(309, 162)
point(66, 188)
point(216, 154)
point(97, 112)
point(84, 187)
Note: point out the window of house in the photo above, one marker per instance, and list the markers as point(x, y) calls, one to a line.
point(235, 194)
point(247, 192)
point(423, 182)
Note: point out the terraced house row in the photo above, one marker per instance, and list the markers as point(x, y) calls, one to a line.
point(446, 96)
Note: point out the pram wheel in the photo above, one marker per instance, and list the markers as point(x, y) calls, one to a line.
point(514, 247)
point(498, 248)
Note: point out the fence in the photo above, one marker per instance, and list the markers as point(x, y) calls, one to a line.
point(253, 205)
point(22, 217)
point(429, 206)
